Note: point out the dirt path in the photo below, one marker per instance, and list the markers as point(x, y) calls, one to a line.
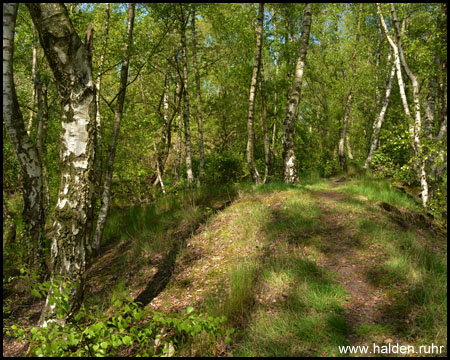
point(342, 259)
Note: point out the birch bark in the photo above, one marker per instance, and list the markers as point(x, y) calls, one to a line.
point(187, 127)
point(348, 104)
point(289, 158)
point(251, 101)
point(414, 124)
point(265, 127)
point(34, 77)
point(380, 118)
point(26, 152)
point(199, 102)
point(179, 132)
point(69, 61)
point(421, 162)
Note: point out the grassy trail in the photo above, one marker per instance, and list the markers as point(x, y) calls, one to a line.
point(304, 269)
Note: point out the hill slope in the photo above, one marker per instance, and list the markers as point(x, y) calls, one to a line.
point(297, 270)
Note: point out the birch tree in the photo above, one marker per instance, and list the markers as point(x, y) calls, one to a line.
point(289, 158)
point(26, 152)
point(98, 118)
point(118, 112)
point(265, 126)
point(199, 101)
point(69, 61)
point(379, 121)
point(179, 132)
point(251, 101)
point(344, 130)
point(187, 127)
point(414, 124)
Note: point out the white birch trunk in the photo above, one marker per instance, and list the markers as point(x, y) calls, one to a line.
point(179, 126)
point(199, 104)
point(380, 118)
point(187, 127)
point(70, 64)
point(289, 158)
point(344, 130)
point(423, 176)
point(26, 152)
point(414, 124)
point(265, 127)
point(251, 101)
point(33, 76)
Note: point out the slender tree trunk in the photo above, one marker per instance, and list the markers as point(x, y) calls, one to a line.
point(343, 132)
point(45, 116)
point(179, 127)
point(26, 152)
point(165, 134)
point(265, 127)
point(199, 103)
point(251, 101)
point(158, 170)
point(414, 124)
point(98, 118)
point(158, 154)
point(118, 112)
point(187, 127)
point(380, 118)
point(275, 113)
point(376, 98)
point(70, 63)
point(289, 158)
point(423, 176)
point(34, 77)
point(348, 104)
point(349, 149)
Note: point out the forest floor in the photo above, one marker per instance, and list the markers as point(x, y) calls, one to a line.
point(298, 271)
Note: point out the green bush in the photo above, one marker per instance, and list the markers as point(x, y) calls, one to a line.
point(225, 168)
point(130, 326)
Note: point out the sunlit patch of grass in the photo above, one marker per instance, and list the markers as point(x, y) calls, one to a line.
point(379, 190)
point(299, 308)
point(414, 276)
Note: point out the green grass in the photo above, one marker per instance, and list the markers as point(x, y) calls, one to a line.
point(236, 303)
point(379, 190)
point(274, 237)
point(296, 307)
point(302, 310)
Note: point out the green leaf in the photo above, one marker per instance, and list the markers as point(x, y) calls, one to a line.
point(189, 309)
point(127, 340)
point(34, 292)
point(104, 345)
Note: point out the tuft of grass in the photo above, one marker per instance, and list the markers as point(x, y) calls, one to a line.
point(237, 302)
